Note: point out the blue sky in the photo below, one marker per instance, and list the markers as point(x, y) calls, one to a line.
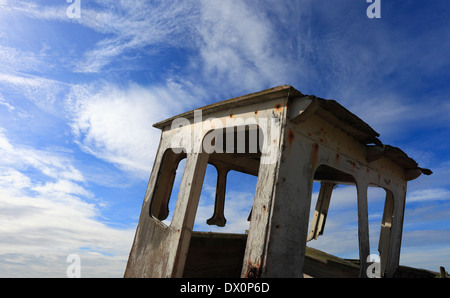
point(78, 97)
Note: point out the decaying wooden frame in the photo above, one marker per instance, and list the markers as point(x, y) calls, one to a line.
point(304, 138)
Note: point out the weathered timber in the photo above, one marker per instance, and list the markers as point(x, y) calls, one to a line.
point(288, 140)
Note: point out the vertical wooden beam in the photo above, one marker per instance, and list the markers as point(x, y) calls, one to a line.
point(385, 233)
point(442, 271)
point(321, 211)
point(396, 230)
point(363, 226)
point(218, 217)
point(253, 263)
point(288, 230)
point(257, 235)
point(186, 207)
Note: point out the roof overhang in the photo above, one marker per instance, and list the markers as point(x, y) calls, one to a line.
point(301, 106)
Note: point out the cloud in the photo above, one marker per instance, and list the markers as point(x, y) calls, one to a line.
point(237, 209)
point(238, 45)
point(235, 41)
point(48, 163)
point(34, 10)
point(43, 92)
point(5, 103)
point(135, 26)
point(428, 195)
point(12, 59)
point(48, 213)
point(425, 248)
point(115, 124)
point(126, 26)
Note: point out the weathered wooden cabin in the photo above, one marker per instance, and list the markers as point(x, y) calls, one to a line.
point(288, 140)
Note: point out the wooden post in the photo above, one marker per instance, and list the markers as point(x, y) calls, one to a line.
point(288, 230)
point(218, 217)
point(186, 207)
point(396, 231)
point(320, 214)
point(443, 273)
point(385, 233)
point(363, 227)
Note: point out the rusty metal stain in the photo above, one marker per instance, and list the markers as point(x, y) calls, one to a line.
point(336, 158)
point(253, 271)
point(290, 137)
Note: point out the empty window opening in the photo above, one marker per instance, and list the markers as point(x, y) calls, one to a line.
point(167, 186)
point(380, 209)
point(205, 207)
point(219, 238)
point(333, 226)
point(239, 199)
point(239, 192)
point(336, 231)
point(376, 200)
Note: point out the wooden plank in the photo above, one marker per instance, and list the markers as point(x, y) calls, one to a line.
point(289, 218)
point(385, 233)
point(186, 208)
point(321, 211)
point(363, 226)
point(215, 255)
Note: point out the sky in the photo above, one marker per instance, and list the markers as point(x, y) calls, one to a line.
point(82, 83)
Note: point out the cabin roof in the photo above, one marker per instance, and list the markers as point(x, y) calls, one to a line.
point(327, 109)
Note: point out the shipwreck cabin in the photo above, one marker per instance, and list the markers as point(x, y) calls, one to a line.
point(287, 140)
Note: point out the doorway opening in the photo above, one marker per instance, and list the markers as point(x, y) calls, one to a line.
point(219, 237)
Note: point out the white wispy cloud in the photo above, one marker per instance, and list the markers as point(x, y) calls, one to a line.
point(115, 124)
point(234, 40)
point(48, 163)
point(429, 195)
point(44, 93)
point(47, 216)
point(136, 26)
point(34, 10)
point(238, 45)
point(126, 25)
point(13, 59)
point(6, 104)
